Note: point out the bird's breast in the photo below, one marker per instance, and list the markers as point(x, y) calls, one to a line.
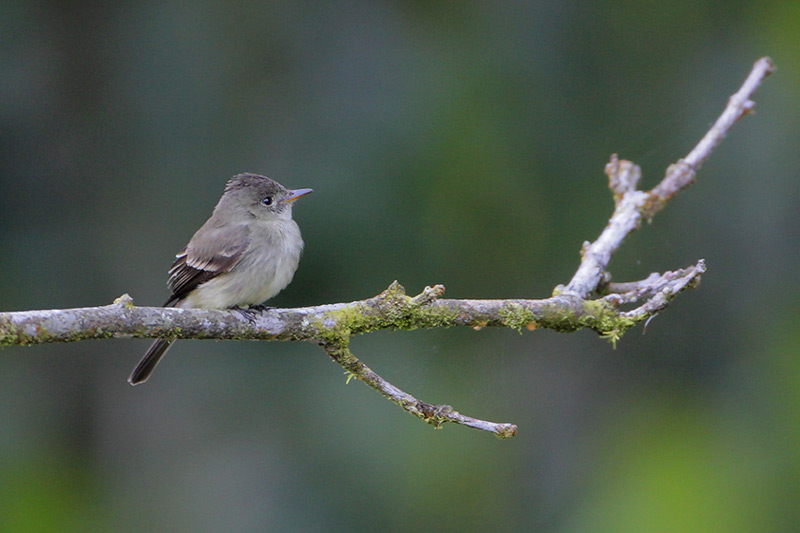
point(265, 268)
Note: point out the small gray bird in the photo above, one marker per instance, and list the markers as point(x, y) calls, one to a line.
point(245, 254)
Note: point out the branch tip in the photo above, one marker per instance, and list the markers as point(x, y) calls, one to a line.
point(395, 287)
point(623, 176)
point(125, 300)
point(428, 295)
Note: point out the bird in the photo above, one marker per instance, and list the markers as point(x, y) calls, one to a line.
point(246, 253)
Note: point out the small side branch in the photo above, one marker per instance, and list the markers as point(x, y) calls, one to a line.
point(668, 283)
point(436, 415)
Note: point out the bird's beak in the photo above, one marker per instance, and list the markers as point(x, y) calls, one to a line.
point(297, 193)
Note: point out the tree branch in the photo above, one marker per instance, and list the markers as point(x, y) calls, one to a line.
point(633, 206)
point(332, 326)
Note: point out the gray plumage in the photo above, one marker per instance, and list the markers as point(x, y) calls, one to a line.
point(245, 254)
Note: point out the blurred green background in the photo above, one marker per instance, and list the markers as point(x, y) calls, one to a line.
point(460, 143)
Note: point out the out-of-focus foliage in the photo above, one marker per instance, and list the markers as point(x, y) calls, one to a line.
point(447, 142)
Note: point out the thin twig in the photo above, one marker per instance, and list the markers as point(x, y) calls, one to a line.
point(633, 291)
point(682, 174)
point(689, 279)
point(436, 415)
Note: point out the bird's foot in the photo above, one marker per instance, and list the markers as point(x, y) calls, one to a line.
point(250, 312)
point(245, 312)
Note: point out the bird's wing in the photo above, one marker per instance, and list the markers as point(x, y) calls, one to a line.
point(220, 250)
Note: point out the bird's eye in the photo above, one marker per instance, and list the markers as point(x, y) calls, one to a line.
point(267, 200)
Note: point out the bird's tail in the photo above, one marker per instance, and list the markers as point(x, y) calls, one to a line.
point(149, 361)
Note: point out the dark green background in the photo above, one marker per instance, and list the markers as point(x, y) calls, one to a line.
point(460, 143)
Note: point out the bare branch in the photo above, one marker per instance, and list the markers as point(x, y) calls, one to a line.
point(332, 326)
point(682, 174)
point(633, 206)
point(392, 309)
point(435, 415)
point(634, 291)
